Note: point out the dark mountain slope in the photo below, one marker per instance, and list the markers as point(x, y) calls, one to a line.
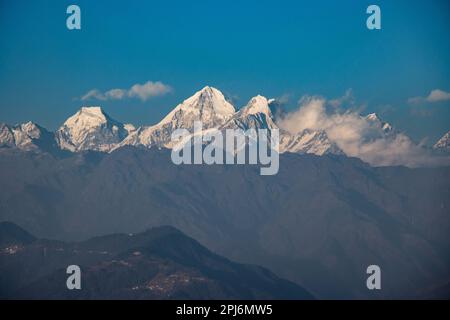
point(11, 234)
point(161, 263)
point(319, 222)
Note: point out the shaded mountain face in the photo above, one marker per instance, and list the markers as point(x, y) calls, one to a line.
point(161, 263)
point(319, 222)
point(11, 235)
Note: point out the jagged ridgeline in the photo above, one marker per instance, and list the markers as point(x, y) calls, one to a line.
point(92, 129)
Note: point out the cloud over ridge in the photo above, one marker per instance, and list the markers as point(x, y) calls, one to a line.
point(367, 138)
point(143, 92)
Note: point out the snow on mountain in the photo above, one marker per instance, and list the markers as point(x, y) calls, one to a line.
point(129, 127)
point(26, 136)
point(309, 141)
point(443, 144)
point(377, 122)
point(207, 105)
point(255, 115)
point(90, 129)
point(6, 136)
point(257, 105)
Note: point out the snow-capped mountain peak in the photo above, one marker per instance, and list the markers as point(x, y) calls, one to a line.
point(207, 105)
point(30, 129)
point(90, 129)
point(443, 144)
point(26, 136)
point(258, 104)
point(87, 117)
point(375, 120)
point(255, 115)
point(129, 127)
point(29, 126)
point(373, 117)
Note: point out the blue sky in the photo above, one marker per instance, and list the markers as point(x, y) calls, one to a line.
point(244, 48)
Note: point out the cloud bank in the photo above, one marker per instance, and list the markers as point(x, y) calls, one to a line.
point(362, 137)
point(436, 95)
point(140, 91)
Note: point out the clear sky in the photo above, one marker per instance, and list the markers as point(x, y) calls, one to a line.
point(244, 48)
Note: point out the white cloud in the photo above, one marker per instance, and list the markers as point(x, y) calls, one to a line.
point(115, 94)
point(283, 99)
point(355, 135)
point(436, 95)
point(93, 94)
point(347, 98)
point(140, 91)
point(148, 90)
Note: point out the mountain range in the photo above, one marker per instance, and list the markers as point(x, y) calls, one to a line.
point(92, 129)
point(160, 263)
point(319, 222)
